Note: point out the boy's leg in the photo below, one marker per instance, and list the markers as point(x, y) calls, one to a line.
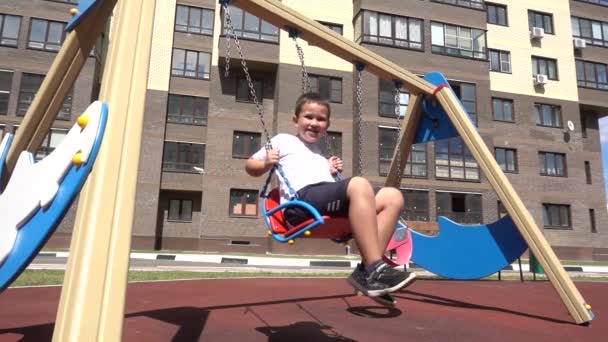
point(389, 204)
point(362, 216)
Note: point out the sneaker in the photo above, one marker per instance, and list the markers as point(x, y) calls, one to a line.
point(382, 280)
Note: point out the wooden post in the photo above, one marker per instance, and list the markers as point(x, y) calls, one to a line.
point(409, 126)
point(537, 243)
point(70, 59)
point(93, 297)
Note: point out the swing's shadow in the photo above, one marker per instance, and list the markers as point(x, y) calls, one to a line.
point(437, 300)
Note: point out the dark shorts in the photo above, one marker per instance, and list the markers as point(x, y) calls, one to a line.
point(329, 198)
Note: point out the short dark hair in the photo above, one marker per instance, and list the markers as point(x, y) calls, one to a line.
point(311, 97)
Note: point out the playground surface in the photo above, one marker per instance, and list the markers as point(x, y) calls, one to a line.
point(306, 309)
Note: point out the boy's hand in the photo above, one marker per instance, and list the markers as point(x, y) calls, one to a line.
point(272, 158)
point(335, 165)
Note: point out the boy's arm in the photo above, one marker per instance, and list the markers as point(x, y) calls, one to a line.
point(257, 167)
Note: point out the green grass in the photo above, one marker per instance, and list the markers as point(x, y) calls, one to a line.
point(55, 277)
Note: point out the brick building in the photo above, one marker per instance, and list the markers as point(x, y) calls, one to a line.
point(526, 71)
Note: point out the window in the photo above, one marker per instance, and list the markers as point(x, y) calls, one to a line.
point(542, 20)
point(46, 34)
point(245, 144)
point(50, 142)
point(500, 61)
point(588, 172)
point(459, 207)
point(9, 29)
point(386, 100)
point(477, 4)
point(387, 29)
point(548, 115)
point(243, 92)
point(502, 211)
point(552, 164)
point(6, 81)
point(67, 1)
point(2, 128)
point(556, 216)
point(183, 157)
point(249, 26)
point(331, 144)
point(192, 64)
point(466, 93)
point(502, 109)
point(329, 88)
point(506, 158)
point(416, 161)
point(416, 206)
point(544, 66)
point(30, 83)
point(243, 202)
point(187, 109)
point(596, 2)
point(334, 27)
point(454, 161)
point(180, 210)
point(584, 124)
point(497, 14)
point(593, 31)
point(592, 75)
point(194, 20)
point(458, 40)
point(592, 220)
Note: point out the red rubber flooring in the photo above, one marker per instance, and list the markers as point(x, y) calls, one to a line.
point(323, 310)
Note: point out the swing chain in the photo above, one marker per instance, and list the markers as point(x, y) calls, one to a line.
point(305, 80)
point(359, 101)
point(232, 32)
point(398, 116)
point(228, 22)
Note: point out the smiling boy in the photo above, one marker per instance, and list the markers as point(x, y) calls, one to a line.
point(373, 217)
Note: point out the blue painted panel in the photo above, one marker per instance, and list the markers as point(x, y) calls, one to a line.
point(34, 234)
point(84, 8)
point(469, 252)
point(4, 153)
point(435, 123)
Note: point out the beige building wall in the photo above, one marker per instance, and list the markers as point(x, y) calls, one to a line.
point(162, 45)
point(331, 11)
point(516, 39)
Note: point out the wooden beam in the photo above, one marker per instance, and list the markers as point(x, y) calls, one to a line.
point(317, 34)
point(92, 301)
point(409, 127)
point(562, 283)
point(68, 63)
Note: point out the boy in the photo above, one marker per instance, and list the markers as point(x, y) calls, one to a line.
point(373, 218)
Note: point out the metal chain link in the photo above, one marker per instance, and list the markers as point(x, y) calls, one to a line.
point(359, 101)
point(305, 80)
point(398, 116)
point(228, 22)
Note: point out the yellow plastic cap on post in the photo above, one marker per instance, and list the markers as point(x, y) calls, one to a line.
point(291, 242)
point(77, 159)
point(307, 233)
point(83, 120)
point(73, 11)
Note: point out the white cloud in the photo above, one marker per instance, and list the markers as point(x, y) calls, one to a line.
point(604, 130)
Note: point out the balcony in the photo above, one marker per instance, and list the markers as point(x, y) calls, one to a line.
point(474, 4)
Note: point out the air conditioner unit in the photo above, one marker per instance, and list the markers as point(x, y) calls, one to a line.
point(537, 32)
point(579, 43)
point(540, 79)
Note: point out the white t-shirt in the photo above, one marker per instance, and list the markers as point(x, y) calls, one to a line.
point(302, 163)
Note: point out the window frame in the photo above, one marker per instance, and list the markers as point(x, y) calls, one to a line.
point(45, 147)
point(502, 101)
point(602, 3)
point(188, 27)
point(173, 166)
point(7, 93)
point(416, 149)
point(206, 76)
point(65, 113)
point(334, 136)
point(544, 164)
point(330, 79)
point(180, 210)
point(196, 101)
point(243, 202)
point(471, 4)
point(511, 166)
point(413, 214)
point(464, 157)
point(232, 9)
point(581, 66)
point(497, 7)
point(532, 15)
point(500, 54)
point(549, 225)
point(578, 26)
point(333, 26)
point(3, 28)
point(257, 137)
point(258, 85)
point(536, 66)
point(480, 55)
point(466, 214)
point(556, 115)
point(368, 38)
point(588, 173)
point(403, 93)
point(46, 42)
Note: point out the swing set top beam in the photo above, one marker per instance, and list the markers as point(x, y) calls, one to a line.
point(274, 12)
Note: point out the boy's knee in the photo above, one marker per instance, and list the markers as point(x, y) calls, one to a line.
point(394, 196)
point(359, 184)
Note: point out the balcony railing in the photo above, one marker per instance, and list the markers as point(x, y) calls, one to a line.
point(475, 4)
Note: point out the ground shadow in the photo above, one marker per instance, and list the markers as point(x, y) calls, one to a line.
point(302, 331)
point(32, 333)
point(433, 299)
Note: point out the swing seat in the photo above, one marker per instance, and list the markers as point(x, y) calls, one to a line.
point(325, 227)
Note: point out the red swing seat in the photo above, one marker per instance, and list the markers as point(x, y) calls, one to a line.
point(333, 228)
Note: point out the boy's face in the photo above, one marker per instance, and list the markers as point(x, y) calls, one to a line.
point(312, 122)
